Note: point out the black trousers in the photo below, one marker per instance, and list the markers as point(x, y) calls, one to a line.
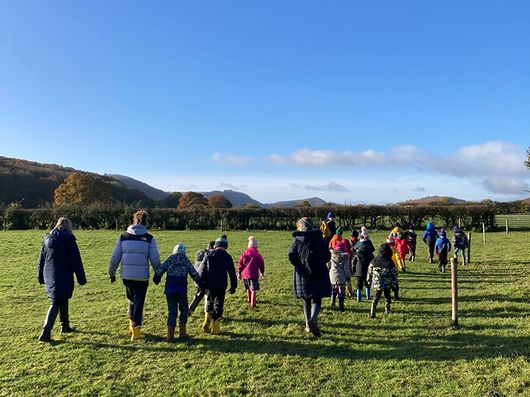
point(378, 293)
point(430, 244)
point(136, 291)
point(215, 303)
point(57, 306)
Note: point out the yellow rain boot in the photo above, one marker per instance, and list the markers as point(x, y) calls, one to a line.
point(136, 333)
point(207, 321)
point(130, 327)
point(216, 327)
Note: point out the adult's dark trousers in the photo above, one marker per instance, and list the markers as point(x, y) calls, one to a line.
point(57, 306)
point(430, 245)
point(386, 292)
point(215, 303)
point(361, 282)
point(136, 291)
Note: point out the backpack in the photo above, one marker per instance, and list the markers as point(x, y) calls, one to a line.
point(461, 241)
point(310, 256)
point(326, 231)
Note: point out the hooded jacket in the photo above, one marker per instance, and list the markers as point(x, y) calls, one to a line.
point(177, 266)
point(59, 260)
point(135, 248)
point(364, 254)
point(250, 264)
point(381, 272)
point(339, 267)
point(430, 233)
point(442, 243)
point(215, 267)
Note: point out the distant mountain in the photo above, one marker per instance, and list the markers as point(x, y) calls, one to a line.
point(434, 200)
point(237, 199)
point(314, 201)
point(131, 183)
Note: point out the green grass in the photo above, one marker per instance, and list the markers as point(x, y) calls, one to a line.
point(412, 352)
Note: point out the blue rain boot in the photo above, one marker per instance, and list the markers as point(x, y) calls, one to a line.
point(367, 291)
point(359, 295)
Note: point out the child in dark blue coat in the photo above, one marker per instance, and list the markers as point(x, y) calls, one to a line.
point(442, 247)
point(177, 266)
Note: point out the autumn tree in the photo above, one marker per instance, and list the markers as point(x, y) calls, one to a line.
point(219, 201)
point(192, 199)
point(173, 200)
point(80, 188)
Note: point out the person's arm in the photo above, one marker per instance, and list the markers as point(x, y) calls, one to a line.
point(115, 259)
point(294, 258)
point(261, 265)
point(154, 254)
point(75, 260)
point(241, 265)
point(40, 265)
point(232, 275)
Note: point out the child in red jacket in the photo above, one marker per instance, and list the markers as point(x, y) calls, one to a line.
point(250, 269)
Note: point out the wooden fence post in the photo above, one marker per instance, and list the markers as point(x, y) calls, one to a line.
point(469, 247)
point(454, 291)
point(483, 232)
point(507, 230)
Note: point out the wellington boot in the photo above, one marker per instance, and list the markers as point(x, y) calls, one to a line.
point(387, 308)
point(367, 292)
point(170, 334)
point(130, 327)
point(372, 309)
point(216, 327)
point(207, 322)
point(136, 333)
point(359, 295)
point(182, 332)
point(45, 336)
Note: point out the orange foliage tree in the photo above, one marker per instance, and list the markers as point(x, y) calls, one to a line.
point(192, 199)
point(219, 201)
point(80, 188)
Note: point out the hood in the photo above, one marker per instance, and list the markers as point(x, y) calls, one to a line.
point(137, 230)
point(457, 230)
point(430, 226)
point(385, 251)
point(309, 235)
point(383, 258)
point(442, 233)
point(54, 237)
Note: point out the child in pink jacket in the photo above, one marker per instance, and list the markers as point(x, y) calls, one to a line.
point(249, 267)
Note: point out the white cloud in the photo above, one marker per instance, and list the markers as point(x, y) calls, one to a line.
point(499, 165)
point(231, 159)
point(329, 187)
point(228, 186)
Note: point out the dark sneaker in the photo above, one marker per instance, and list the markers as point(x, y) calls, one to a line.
point(313, 328)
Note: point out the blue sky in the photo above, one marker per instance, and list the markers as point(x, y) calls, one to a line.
point(351, 101)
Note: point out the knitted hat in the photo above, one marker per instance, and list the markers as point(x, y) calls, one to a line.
point(252, 242)
point(179, 249)
point(221, 242)
point(363, 229)
point(355, 233)
point(331, 215)
point(442, 232)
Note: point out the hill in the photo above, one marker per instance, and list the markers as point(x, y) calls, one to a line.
point(238, 199)
point(33, 184)
point(314, 201)
point(431, 200)
point(131, 183)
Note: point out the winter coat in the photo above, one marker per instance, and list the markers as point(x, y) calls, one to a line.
point(402, 247)
point(250, 264)
point(199, 256)
point(177, 266)
point(442, 244)
point(382, 272)
point(364, 254)
point(59, 260)
point(305, 286)
point(135, 248)
point(430, 233)
point(339, 268)
point(214, 269)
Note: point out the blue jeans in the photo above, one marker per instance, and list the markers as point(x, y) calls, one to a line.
point(175, 302)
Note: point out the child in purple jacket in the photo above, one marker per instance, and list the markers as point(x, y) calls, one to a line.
point(250, 269)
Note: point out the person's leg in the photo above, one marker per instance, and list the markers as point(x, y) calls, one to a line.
point(139, 293)
point(253, 298)
point(430, 244)
point(333, 294)
point(388, 300)
point(367, 290)
point(218, 310)
point(49, 321)
point(350, 287)
point(375, 302)
point(199, 294)
point(249, 297)
point(129, 292)
point(342, 295)
point(313, 320)
point(183, 319)
point(208, 310)
point(307, 309)
point(65, 319)
point(171, 316)
point(360, 282)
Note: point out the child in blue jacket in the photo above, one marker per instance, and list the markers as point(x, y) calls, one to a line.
point(442, 247)
point(177, 266)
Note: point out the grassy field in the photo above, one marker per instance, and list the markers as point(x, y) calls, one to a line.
point(411, 352)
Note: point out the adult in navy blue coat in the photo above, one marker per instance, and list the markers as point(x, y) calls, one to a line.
point(59, 260)
point(311, 288)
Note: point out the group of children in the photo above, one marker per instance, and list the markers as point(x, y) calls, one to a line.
point(213, 267)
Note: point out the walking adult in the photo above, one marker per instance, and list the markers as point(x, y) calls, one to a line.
point(135, 248)
point(429, 237)
point(59, 260)
point(309, 255)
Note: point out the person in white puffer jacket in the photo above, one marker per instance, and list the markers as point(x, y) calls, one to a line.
point(135, 249)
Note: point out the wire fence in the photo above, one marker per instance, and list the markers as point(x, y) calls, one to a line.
point(513, 222)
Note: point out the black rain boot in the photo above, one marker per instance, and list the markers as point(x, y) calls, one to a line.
point(65, 320)
point(46, 335)
point(396, 294)
point(341, 303)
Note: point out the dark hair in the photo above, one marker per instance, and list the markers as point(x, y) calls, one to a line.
point(211, 244)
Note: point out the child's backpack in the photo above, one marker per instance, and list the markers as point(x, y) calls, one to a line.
point(310, 256)
point(326, 231)
point(461, 241)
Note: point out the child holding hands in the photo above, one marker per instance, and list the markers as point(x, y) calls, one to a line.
point(251, 268)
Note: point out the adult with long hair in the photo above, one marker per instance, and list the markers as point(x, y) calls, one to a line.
point(309, 255)
point(135, 248)
point(59, 260)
